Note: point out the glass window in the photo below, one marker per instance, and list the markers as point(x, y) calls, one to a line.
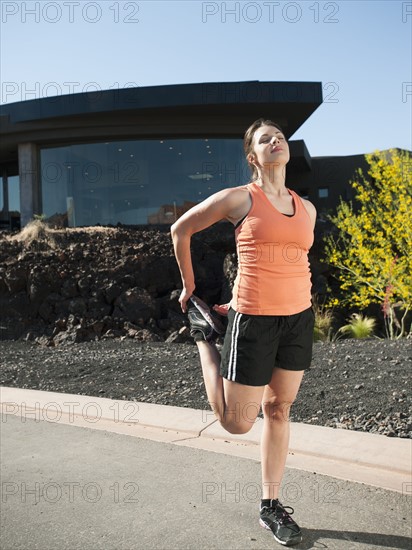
point(10, 202)
point(13, 191)
point(14, 194)
point(323, 192)
point(136, 182)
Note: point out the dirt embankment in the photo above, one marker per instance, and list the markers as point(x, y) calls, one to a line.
point(81, 284)
point(75, 285)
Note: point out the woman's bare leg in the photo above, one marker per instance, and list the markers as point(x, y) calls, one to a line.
point(235, 405)
point(210, 361)
point(278, 397)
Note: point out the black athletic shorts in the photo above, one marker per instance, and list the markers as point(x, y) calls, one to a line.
point(255, 344)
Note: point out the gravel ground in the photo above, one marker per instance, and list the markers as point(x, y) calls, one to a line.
point(353, 384)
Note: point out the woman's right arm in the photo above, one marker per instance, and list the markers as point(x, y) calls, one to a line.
point(219, 206)
point(181, 244)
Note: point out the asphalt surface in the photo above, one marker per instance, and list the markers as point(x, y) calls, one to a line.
point(70, 487)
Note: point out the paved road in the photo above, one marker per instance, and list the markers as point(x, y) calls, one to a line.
point(68, 487)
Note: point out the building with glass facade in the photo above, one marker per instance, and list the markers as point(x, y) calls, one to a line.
point(145, 155)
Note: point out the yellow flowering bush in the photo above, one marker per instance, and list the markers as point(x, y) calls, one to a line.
point(373, 247)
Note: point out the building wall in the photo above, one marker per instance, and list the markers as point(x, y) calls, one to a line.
point(329, 180)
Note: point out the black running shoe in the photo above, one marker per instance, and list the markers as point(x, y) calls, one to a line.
point(204, 324)
point(276, 519)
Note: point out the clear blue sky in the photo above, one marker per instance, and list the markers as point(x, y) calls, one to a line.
point(359, 50)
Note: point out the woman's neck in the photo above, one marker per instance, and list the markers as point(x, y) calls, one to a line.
point(273, 180)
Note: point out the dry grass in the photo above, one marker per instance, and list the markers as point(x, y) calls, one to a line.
point(35, 231)
point(38, 231)
point(323, 322)
point(91, 229)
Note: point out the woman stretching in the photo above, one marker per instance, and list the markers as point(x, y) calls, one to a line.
point(268, 341)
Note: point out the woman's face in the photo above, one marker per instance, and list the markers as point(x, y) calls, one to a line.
point(270, 147)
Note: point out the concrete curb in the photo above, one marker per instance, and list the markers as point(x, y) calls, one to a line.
point(354, 456)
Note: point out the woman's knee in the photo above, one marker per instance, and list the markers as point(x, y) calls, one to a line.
point(240, 419)
point(237, 428)
point(277, 410)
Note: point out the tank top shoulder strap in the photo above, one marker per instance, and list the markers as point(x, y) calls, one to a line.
point(252, 188)
point(296, 199)
point(294, 194)
point(254, 193)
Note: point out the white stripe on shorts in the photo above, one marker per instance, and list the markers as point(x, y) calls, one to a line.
point(233, 347)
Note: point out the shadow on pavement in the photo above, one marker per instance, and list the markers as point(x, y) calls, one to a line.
point(373, 540)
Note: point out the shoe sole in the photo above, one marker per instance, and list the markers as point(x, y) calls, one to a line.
point(289, 543)
point(207, 331)
point(205, 311)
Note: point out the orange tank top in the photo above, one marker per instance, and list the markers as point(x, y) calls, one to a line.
point(273, 275)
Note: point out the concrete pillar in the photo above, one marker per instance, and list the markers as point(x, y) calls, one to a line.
point(29, 172)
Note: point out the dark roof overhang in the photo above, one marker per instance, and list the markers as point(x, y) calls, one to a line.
point(210, 109)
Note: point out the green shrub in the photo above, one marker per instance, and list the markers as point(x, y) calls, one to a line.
point(359, 326)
